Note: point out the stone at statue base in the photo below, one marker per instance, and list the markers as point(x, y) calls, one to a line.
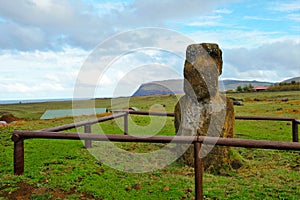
point(209, 123)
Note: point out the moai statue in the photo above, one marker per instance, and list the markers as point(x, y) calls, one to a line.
point(203, 110)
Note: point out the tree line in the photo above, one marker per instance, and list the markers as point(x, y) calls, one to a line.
point(293, 85)
point(245, 88)
point(275, 87)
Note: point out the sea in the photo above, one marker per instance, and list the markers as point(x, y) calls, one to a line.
point(34, 101)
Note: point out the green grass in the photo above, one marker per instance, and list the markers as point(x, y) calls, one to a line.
point(63, 169)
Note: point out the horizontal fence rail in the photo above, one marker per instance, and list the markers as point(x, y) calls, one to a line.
point(295, 122)
point(124, 113)
point(234, 142)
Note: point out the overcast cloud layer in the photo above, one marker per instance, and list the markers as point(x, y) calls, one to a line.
point(44, 43)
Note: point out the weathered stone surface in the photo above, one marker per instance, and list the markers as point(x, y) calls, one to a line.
point(215, 119)
point(202, 67)
point(203, 110)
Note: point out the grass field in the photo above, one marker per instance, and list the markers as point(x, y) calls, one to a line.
point(56, 169)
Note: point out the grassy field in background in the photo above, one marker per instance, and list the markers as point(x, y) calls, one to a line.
point(63, 169)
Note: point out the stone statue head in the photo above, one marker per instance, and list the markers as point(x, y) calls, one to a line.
point(202, 68)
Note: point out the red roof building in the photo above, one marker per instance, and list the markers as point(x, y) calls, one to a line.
point(259, 88)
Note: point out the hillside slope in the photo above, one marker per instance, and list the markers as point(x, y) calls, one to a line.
point(296, 79)
point(175, 86)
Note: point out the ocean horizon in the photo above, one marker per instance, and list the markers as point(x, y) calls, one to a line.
point(20, 101)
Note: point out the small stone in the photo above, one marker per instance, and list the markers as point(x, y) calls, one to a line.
point(137, 186)
point(127, 188)
point(189, 190)
point(166, 188)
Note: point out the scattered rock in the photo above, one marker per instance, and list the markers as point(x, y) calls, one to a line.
point(127, 188)
point(166, 188)
point(8, 118)
point(189, 190)
point(236, 164)
point(238, 103)
point(137, 186)
point(150, 191)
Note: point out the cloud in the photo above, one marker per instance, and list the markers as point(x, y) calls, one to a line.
point(267, 62)
point(260, 18)
point(171, 10)
point(214, 20)
point(294, 17)
point(240, 38)
point(286, 6)
point(39, 74)
point(34, 24)
point(223, 11)
point(54, 23)
point(128, 71)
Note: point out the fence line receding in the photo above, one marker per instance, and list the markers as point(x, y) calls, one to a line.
point(18, 138)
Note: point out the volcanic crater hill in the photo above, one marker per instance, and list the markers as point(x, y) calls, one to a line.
point(175, 86)
point(296, 79)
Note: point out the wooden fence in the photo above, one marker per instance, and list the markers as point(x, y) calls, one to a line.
point(18, 138)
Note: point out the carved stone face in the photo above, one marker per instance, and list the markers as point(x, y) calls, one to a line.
point(201, 71)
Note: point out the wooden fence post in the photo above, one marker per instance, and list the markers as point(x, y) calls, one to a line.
point(18, 155)
point(88, 129)
point(126, 123)
point(295, 130)
point(198, 166)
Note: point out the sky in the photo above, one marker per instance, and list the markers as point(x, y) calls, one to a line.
point(47, 46)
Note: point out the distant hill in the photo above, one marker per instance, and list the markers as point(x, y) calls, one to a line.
point(296, 79)
point(175, 86)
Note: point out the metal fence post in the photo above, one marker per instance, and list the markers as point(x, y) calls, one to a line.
point(198, 166)
point(88, 129)
point(295, 130)
point(18, 155)
point(126, 123)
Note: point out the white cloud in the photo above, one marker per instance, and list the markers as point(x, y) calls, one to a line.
point(213, 20)
point(268, 62)
point(239, 38)
point(128, 72)
point(286, 6)
point(39, 74)
point(108, 7)
point(53, 24)
point(223, 11)
point(25, 88)
point(261, 18)
point(295, 17)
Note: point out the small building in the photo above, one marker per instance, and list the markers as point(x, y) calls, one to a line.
point(259, 88)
